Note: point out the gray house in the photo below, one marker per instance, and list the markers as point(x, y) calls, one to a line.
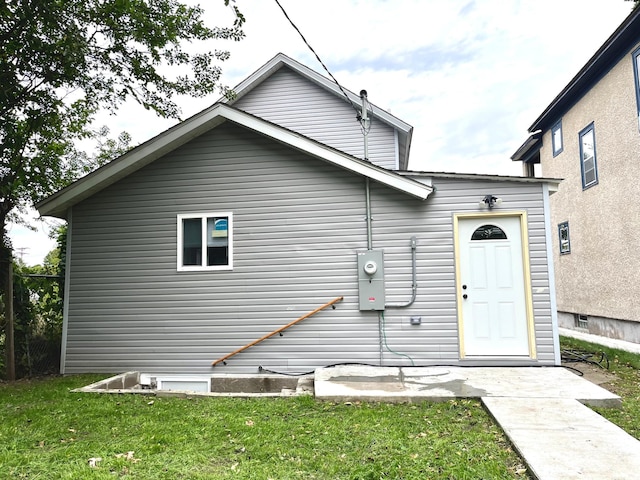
point(259, 210)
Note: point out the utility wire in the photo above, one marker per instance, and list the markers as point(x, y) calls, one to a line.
point(319, 60)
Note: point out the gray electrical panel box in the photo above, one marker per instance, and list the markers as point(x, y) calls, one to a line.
point(371, 279)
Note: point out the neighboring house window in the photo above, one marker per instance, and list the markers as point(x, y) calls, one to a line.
point(580, 321)
point(556, 138)
point(636, 74)
point(563, 234)
point(588, 163)
point(205, 241)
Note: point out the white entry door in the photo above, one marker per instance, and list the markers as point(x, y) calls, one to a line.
point(491, 284)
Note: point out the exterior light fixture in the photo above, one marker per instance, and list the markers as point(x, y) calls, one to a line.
point(490, 201)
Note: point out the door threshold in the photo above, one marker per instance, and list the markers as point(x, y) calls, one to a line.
point(495, 360)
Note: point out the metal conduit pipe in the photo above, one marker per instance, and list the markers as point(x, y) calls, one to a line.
point(414, 278)
point(367, 192)
point(413, 243)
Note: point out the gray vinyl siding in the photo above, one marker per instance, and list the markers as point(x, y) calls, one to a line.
point(298, 223)
point(292, 101)
point(436, 299)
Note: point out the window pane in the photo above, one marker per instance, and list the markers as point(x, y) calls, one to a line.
point(563, 232)
point(217, 241)
point(489, 232)
point(589, 171)
point(557, 139)
point(191, 241)
point(587, 146)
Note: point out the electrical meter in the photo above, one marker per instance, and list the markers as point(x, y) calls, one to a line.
point(371, 279)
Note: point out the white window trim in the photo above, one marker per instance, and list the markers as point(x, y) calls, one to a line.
point(203, 217)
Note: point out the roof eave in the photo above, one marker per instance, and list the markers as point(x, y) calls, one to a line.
point(58, 204)
point(598, 65)
point(282, 60)
point(529, 148)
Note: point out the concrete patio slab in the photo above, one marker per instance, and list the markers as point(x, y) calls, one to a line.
point(393, 384)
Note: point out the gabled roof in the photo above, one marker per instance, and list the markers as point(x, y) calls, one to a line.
point(57, 204)
point(609, 54)
point(405, 131)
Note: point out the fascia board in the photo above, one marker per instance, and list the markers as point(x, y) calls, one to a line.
point(57, 204)
point(609, 53)
point(429, 176)
point(279, 60)
point(321, 151)
point(532, 143)
point(137, 158)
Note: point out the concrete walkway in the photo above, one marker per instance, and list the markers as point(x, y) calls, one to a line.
point(599, 340)
point(540, 409)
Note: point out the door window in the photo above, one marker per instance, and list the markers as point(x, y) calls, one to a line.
point(488, 232)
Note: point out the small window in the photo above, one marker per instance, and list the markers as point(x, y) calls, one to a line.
point(488, 232)
point(205, 241)
point(636, 74)
point(556, 138)
point(580, 321)
point(563, 234)
point(588, 163)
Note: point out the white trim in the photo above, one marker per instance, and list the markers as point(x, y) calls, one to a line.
point(203, 217)
point(330, 155)
point(65, 300)
point(551, 273)
point(281, 59)
point(206, 120)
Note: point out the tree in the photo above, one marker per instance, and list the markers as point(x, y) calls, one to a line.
point(63, 60)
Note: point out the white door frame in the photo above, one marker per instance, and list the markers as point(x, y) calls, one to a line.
point(522, 216)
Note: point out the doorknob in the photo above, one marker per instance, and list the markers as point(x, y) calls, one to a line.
point(465, 296)
point(464, 287)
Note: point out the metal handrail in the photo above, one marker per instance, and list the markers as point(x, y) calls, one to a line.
point(281, 329)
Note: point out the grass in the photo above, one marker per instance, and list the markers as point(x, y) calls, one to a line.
point(48, 432)
point(626, 367)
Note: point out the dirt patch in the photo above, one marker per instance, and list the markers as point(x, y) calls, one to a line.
point(594, 373)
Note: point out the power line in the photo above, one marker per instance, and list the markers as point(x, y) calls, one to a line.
point(319, 60)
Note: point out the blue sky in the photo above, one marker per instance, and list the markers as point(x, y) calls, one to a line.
point(469, 76)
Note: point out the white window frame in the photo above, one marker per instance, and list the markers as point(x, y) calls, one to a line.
point(203, 217)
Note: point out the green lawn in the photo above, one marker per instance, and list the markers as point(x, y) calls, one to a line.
point(47, 432)
point(626, 367)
